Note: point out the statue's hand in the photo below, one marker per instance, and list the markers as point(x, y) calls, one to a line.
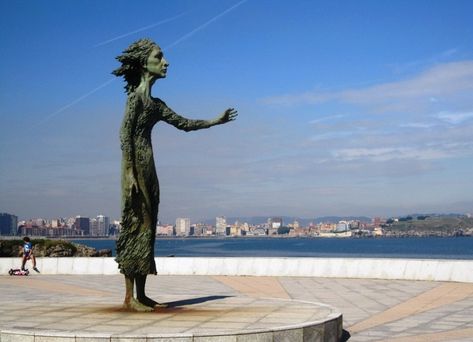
point(229, 115)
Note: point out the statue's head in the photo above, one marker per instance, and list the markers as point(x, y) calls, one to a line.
point(143, 56)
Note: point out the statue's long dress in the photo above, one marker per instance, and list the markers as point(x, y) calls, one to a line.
point(140, 187)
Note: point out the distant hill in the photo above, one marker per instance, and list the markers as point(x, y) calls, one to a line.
point(434, 223)
point(254, 220)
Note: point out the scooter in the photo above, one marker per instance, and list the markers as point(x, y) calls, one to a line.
point(18, 272)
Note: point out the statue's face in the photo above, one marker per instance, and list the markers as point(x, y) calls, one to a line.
point(156, 65)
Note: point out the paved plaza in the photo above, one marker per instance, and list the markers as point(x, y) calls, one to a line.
point(373, 310)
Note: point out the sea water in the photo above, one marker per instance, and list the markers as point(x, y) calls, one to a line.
point(412, 247)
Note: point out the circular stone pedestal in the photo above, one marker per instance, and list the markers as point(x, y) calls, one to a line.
point(212, 318)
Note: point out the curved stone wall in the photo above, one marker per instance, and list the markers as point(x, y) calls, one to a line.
point(408, 269)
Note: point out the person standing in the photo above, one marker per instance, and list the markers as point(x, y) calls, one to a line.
point(28, 254)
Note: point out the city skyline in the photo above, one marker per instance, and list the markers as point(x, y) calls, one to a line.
point(344, 108)
point(330, 227)
point(221, 221)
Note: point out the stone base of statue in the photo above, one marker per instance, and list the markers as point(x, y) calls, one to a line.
point(188, 318)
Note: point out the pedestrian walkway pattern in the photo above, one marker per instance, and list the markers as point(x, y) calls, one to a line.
point(373, 310)
point(73, 308)
point(381, 310)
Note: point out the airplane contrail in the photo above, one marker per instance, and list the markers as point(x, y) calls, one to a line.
point(208, 22)
point(144, 28)
point(179, 40)
point(72, 103)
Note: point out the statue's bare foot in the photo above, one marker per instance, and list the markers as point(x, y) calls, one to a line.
point(135, 305)
point(152, 303)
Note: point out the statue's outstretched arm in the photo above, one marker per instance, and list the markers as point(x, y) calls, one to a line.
point(182, 123)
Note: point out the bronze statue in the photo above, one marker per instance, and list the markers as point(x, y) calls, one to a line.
point(142, 63)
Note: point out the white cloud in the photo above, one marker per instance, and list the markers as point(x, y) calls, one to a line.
point(454, 118)
point(389, 153)
point(332, 135)
point(424, 120)
point(327, 118)
point(421, 125)
point(439, 82)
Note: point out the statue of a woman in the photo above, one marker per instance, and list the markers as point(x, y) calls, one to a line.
point(142, 64)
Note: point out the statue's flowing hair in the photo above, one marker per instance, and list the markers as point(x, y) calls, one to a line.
point(133, 59)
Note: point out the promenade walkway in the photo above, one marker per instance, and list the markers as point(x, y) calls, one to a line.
point(373, 310)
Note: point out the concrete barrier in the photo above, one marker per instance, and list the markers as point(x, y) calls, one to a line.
point(408, 269)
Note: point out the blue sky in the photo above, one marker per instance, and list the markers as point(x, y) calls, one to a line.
point(345, 107)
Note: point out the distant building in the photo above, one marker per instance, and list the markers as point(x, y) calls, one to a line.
point(300, 231)
point(183, 226)
point(99, 226)
point(40, 222)
point(220, 225)
point(378, 231)
point(82, 224)
point(8, 224)
point(259, 231)
point(103, 225)
point(327, 227)
point(93, 227)
point(70, 222)
point(209, 230)
point(200, 229)
point(275, 222)
point(56, 223)
point(342, 226)
point(235, 231)
point(376, 221)
point(165, 230)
